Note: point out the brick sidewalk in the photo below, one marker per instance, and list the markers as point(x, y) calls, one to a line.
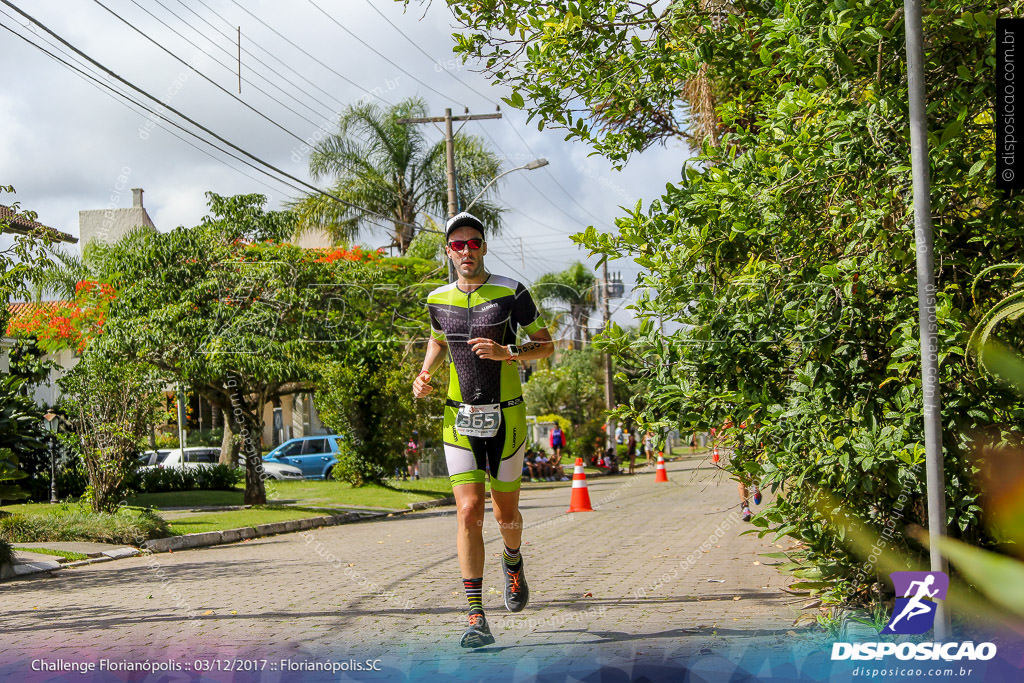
point(658, 570)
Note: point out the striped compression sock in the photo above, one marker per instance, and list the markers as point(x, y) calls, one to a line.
point(474, 592)
point(512, 558)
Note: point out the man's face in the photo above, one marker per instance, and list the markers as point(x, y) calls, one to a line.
point(469, 263)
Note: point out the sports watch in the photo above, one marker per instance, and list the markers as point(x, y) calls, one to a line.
point(514, 352)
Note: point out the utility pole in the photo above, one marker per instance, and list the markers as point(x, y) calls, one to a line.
point(449, 146)
point(924, 243)
point(609, 393)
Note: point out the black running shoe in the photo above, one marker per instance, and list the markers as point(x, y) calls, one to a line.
point(517, 593)
point(477, 635)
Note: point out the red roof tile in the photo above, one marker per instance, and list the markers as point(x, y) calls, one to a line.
point(28, 308)
point(21, 225)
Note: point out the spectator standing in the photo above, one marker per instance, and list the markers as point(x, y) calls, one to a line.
point(649, 447)
point(412, 456)
point(557, 442)
point(631, 449)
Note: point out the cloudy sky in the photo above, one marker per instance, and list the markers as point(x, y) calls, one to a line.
point(67, 145)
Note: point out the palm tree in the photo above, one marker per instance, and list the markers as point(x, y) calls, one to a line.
point(574, 288)
point(389, 169)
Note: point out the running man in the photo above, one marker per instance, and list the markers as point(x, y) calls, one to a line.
point(475, 319)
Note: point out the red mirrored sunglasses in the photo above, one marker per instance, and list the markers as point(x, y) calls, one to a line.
point(459, 245)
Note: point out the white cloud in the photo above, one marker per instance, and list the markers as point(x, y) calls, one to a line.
point(64, 144)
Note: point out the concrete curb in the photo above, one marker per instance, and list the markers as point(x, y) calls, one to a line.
point(450, 500)
point(210, 538)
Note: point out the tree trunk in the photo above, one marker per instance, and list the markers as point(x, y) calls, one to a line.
point(249, 425)
point(228, 447)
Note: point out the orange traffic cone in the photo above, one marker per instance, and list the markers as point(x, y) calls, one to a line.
point(580, 501)
point(714, 455)
point(659, 471)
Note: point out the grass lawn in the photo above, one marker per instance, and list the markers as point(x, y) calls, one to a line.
point(186, 499)
point(234, 519)
point(66, 554)
point(306, 492)
point(396, 496)
point(28, 508)
point(287, 500)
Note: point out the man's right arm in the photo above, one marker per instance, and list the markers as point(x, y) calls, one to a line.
point(435, 353)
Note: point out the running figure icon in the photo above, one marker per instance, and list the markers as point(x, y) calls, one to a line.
point(915, 607)
point(916, 595)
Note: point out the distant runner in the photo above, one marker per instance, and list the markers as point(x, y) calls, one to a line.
point(476, 319)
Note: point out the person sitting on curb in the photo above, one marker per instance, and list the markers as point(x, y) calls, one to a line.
point(538, 466)
point(557, 472)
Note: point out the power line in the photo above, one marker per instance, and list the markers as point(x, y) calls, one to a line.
point(428, 56)
point(231, 39)
point(420, 48)
point(193, 122)
point(530, 181)
point(104, 87)
point(303, 51)
point(381, 54)
point(553, 178)
point(201, 74)
point(246, 80)
point(263, 49)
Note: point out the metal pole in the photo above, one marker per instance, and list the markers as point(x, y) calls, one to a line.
point(51, 429)
point(181, 422)
point(609, 389)
point(926, 300)
point(53, 471)
point(239, 60)
point(449, 149)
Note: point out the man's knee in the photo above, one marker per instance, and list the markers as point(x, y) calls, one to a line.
point(507, 516)
point(471, 513)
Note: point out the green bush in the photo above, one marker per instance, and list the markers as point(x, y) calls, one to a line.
point(585, 437)
point(72, 478)
point(74, 522)
point(22, 441)
point(207, 478)
point(355, 469)
point(6, 554)
point(218, 478)
point(784, 259)
point(369, 403)
point(193, 437)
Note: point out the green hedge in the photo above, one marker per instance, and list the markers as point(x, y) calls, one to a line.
point(213, 478)
point(74, 522)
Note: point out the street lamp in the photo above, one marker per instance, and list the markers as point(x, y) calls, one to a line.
point(610, 289)
point(51, 428)
point(536, 163)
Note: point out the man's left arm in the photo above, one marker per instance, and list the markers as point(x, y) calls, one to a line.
point(539, 346)
point(527, 316)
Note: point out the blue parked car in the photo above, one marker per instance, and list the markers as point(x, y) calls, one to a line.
point(314, 455)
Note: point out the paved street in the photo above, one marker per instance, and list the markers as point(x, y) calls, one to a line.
point(658, 572)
